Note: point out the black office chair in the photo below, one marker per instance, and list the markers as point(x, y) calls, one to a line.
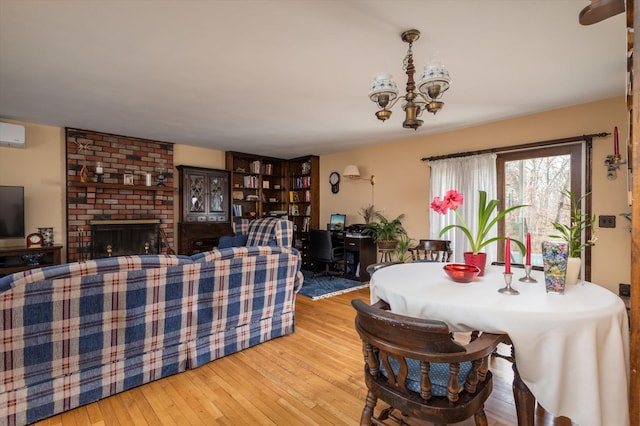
point(322, 251)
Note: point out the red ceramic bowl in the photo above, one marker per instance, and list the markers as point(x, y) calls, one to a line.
point(461, 273)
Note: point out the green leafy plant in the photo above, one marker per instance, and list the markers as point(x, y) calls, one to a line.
point(402, 249)
point(385, 229)
point(478, 239)
point(579, 222)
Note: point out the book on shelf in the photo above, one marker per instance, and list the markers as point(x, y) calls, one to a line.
point(303, 182)
point(252, 197)
point(306, 224)
point(255, 166)
point(307, 196)
point(250, 182)
point(306, 167)
point(267, 169)
point(237, 210)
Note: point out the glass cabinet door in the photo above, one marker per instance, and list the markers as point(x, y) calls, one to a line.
point(195, 198)
point(205, 194)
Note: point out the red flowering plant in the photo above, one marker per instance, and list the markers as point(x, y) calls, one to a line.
point(453, 199)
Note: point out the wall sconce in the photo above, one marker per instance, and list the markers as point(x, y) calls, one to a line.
point(352, 172)
point(614, 161)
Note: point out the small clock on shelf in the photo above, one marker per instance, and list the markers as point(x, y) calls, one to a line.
point(35, 240)
point(334, 180)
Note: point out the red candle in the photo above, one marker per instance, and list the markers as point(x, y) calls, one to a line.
point(616, 147)
point(528, 258)
point(507, 256)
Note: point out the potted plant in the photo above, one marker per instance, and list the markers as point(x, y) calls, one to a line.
point(385, 233)
point(402, 248)
point(480, 238)
point(572, 235)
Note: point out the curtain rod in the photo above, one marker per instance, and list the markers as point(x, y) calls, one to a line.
point(514, 147)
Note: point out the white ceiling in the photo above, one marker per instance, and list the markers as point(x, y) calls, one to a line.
point(288, 78)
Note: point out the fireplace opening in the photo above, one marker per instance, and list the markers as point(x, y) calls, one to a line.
point(110, 238)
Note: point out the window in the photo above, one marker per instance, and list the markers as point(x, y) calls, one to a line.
point(537, 177)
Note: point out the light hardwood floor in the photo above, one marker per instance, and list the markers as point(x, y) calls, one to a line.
point(312, 377)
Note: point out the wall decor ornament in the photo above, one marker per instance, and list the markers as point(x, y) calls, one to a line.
point(47, 235)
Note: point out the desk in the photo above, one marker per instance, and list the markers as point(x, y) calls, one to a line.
point(572, 350)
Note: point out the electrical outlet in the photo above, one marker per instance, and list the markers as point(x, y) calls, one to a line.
point(624, 290)
point(606, 221)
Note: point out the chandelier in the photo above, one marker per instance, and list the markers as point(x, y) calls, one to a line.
point(433, 83)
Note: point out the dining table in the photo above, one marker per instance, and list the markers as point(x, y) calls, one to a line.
point(571, 350)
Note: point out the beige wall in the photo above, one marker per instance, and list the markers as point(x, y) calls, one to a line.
point(39, 168)
point(402, 180)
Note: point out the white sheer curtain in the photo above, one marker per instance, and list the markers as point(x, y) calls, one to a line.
point(467, 175)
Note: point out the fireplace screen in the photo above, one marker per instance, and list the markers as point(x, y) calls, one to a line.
point(124, 237)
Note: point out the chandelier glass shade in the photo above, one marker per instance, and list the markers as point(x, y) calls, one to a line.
point(433, 82)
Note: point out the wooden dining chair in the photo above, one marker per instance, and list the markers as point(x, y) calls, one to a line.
point(432, 251)
point(415, 367)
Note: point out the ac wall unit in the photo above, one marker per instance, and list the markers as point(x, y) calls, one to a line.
point(12, 135)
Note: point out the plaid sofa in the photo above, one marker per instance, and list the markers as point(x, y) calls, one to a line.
point(265, 231)
point(75, 333)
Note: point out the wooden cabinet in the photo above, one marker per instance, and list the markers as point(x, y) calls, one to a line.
point(205, 208)
point(359, 252)
point(14, 259)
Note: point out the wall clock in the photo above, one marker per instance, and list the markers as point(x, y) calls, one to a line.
point(34, 240)
point(334, 180)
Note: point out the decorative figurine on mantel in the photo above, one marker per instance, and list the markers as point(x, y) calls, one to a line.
point(161, 176)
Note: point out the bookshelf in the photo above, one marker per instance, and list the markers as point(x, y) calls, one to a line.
point(257, 185)
point(266, 186)
point(304, 198)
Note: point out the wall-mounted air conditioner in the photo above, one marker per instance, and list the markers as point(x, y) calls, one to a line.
point(12, 135)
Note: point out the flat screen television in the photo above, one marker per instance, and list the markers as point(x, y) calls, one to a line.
point(11, 212)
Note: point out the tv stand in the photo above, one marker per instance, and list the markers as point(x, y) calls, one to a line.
point(11, 260)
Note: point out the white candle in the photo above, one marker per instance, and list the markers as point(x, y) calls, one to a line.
point(148, 179)
point(99, 168)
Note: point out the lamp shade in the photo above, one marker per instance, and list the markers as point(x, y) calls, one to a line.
point(351, 171)
point(434, 81)
point(383, 85)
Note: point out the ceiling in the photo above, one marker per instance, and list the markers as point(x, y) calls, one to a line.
point(288, 78)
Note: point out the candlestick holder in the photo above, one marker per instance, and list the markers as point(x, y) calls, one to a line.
point(508, 289)
point(613, 163)
point(99, 177)
point(527, 278)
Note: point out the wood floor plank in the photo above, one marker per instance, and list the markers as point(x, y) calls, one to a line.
point(311, 377)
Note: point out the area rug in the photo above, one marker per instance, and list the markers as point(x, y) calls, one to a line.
point(323, 287)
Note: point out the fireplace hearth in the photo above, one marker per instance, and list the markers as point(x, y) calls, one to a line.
point(110, 238)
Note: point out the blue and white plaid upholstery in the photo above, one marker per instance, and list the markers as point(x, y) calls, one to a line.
point(76, 333)
point(240, 226)
point(270, 231)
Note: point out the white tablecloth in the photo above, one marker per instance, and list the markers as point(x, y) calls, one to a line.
point(572, 350)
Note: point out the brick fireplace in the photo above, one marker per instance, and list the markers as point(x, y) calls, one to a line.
point(123, 195)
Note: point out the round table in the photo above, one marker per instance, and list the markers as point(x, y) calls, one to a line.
point(572, 350)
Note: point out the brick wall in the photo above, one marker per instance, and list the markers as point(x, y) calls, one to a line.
point(114, 200)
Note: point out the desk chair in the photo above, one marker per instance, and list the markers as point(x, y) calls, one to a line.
point(415, 366)
point(432, 251)
point(322, 250)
